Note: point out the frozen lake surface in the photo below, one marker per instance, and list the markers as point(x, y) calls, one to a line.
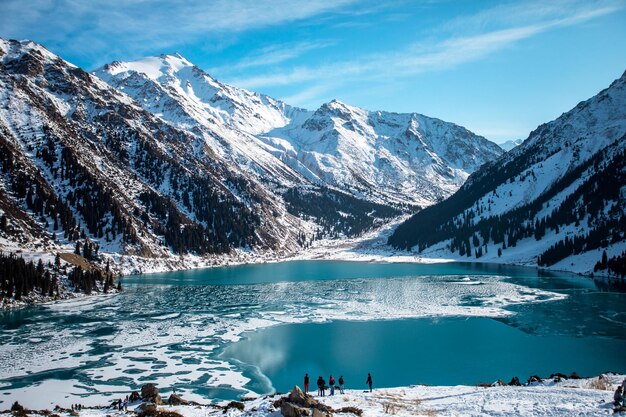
point(220, 333)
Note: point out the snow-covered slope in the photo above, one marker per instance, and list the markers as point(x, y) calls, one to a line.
point(586, 397)
point(224, 117)
point(390, 156)
point(510, 144)
point(153, 159)
point(175, 89)
point(81, 161)
point(377, 156)
point(561, 195)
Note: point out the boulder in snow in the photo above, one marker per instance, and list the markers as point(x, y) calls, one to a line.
point(288, 409)
point(351, 410)
point(146, 408)
point(17, 407)
point(175, 399)
point(296, 396)
point(149, 392)
point(320, 413)
point(515, 382)
point(234, 404)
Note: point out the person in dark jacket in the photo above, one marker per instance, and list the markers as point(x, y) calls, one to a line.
point(321, 386)
point(369, 381)
point(341, 382)
point(306, 383)
point(331, 383)
point(618, 397)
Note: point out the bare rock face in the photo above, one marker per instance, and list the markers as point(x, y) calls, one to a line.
point(288, 409)
point(149, 392)
point(175, 399)
point(17, 407)
point(298, 404)
point(320, 413)
point(147, 408)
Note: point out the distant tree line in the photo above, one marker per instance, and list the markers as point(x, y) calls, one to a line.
point(596, 201)
point(336, 212)
point(196, 212)
point(19, 278)
point(615, 265)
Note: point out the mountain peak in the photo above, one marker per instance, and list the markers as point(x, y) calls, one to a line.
point(339, 109)
point(176, 60)
point(14, 48)
point(153, 67)
point(336, 102)
point(510, 144)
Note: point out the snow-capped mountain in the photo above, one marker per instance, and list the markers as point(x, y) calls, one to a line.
point(82, 162)
point(162, 160)
point(377, 156)
point(510, 144)
point(180, 92)
point(558, 199)
point(225, 118)
point(380, 155)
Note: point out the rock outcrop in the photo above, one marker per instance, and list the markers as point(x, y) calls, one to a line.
point(298, 404)
point(150, 393)
point(176, 399)
point(17, 407)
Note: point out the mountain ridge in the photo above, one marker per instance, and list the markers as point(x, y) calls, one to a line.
point(171, 174)
point(510, 144)
point(540, 191)
point(291, 134)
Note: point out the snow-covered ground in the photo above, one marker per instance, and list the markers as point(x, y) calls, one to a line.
point(372, 247)
point(574, 397)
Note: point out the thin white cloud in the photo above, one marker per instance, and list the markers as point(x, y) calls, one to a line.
point(309, 97)
point(142, 25)
point(420, 57)
point(272, 55)
point(517, 13)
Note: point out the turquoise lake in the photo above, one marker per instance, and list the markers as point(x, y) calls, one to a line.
point(226, 332)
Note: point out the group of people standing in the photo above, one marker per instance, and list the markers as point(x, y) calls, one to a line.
point(332, 384)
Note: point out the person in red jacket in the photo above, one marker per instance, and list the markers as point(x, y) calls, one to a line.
point(306, 383)
point(331, 383)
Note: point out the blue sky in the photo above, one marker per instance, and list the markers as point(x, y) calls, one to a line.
point(497, 68)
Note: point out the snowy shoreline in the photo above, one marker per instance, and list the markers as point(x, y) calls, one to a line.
point(371, 247)
point(549, 397)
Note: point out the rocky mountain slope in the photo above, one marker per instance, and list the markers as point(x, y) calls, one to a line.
point(389, 158)
point(82, 162)
point(162, 164)
point(557, 200)
point(402, 158)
